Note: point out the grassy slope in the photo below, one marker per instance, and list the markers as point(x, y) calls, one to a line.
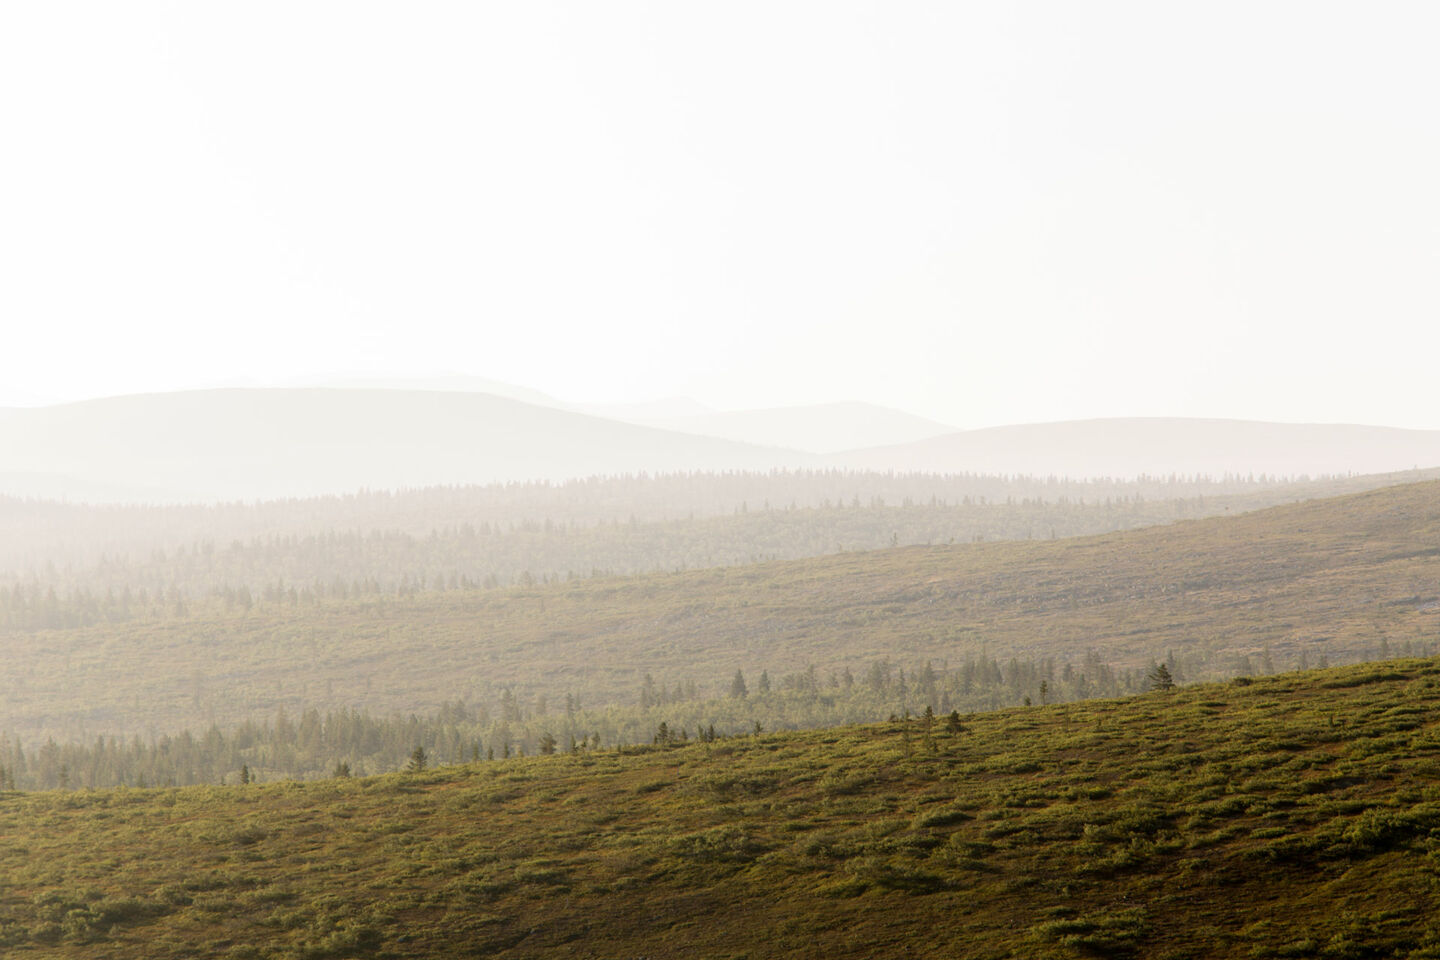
point(1296, 815)
point(1335, 577)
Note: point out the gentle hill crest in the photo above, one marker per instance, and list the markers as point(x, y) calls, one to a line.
point(614, 525)
point(277, 443)
point(821, 428)
point(814, 428)
point(1129, 447)
point(252, 444)
point(1347, 578)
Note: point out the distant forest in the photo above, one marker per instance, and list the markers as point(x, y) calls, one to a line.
point(346, 742)
point(65, 565)
point(293, 668)
point(315, 744)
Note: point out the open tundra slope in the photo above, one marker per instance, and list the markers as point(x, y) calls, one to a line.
point(1349, 578)
point(1290, 816)
point(1159, 446)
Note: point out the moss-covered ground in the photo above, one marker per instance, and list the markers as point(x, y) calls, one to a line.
point(1296, 815)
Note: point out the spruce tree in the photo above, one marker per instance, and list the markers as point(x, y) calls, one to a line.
point(1160, 678)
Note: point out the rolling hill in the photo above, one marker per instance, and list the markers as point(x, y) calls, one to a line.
point(816, 428)
point(500, 533)
point(271, 444)
point(1288, 816)
point(256, 444)
point(1349, 578)
point(1160, 447)
point(821, 428)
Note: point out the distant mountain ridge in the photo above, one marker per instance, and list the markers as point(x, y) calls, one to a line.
point(1130, 447)
point(275, 443)
point(280, 443)
point(820, 428)
point(813, 428)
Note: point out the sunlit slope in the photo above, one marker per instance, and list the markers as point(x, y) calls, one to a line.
point(1296, 815)
point(1346, 578)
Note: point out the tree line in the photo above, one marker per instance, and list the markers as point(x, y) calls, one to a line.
point(317, 744)
point(290, 565)
point(41, 532)
point(352, 741)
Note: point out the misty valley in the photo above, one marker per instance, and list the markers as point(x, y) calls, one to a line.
point(812, 711)
point(679, 481)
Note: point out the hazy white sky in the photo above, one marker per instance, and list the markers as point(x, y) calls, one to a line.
point(981, 212)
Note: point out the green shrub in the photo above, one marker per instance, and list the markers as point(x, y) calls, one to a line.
point(727, 844)
point(1106, 933)
point(946, 817)
point(839, 783)
point(891, 875)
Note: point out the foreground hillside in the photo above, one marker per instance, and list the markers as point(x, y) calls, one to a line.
point(1295, 815)
point(1355, 577)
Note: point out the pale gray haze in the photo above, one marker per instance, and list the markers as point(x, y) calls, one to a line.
point(960, 215)
point(471, 378)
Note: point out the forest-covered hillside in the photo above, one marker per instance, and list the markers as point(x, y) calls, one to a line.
point(1348, 578)
point(103, 563)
